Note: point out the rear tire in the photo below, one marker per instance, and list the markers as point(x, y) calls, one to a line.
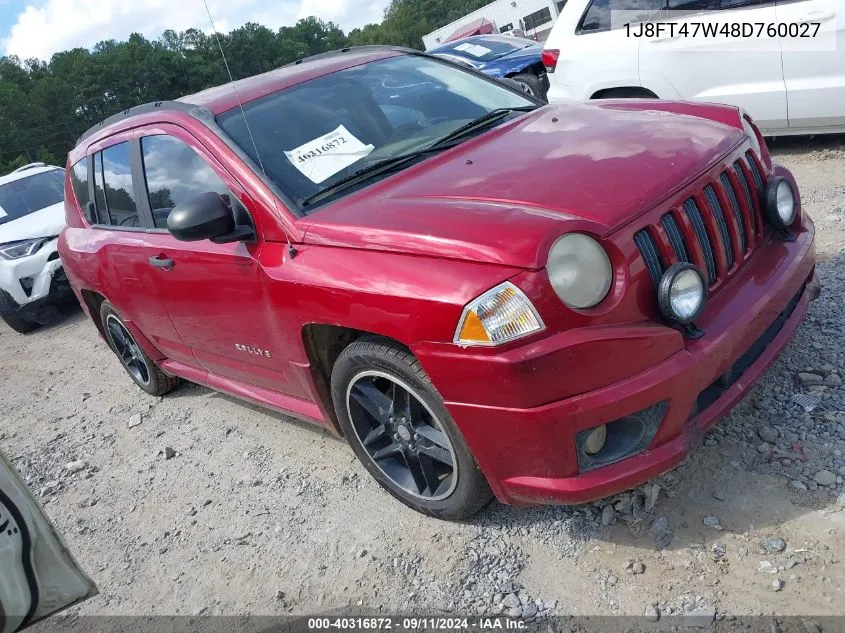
point(530, 84)
point(418, 454)
point(9, 313)
point(140, 367)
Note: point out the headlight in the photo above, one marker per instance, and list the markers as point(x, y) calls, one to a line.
point(498, 316)
point(780, 203)
point(579, 270)
point(681, 293)
point(25, 248)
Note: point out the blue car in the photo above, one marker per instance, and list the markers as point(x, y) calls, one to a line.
point(501, 56)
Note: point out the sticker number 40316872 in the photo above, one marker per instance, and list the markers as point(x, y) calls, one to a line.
point(327, 155)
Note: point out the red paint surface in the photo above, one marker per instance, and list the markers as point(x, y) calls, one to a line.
point(401, 258)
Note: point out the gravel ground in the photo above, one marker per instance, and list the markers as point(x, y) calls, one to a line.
point(211, 506)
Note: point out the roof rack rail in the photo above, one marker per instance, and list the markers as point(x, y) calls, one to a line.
point(350, 49)
point(29, 166)
point(136, 110)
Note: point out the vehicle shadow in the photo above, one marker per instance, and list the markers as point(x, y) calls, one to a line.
point(192, 391)
point(806, 144)
point(51, 318)
point(732, 475)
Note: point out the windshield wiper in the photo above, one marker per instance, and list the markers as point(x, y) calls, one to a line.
point(490, 117)
point(380, 167)
point(370, 171)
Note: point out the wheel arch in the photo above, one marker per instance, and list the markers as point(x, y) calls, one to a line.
point(537, 68)
point(93, 302)
point(634, 92)
point(324, 343)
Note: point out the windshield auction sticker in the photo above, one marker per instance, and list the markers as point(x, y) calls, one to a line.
point(322, 158)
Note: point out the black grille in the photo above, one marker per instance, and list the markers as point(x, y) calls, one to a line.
point(740, 222)
point(716, 208)
point(703, 240)
point(711, 221)
point(651, 256)
point(675, 237)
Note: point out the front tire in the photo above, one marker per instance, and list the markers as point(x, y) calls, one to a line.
point(135, 361)
point(9, 313)
point(399, 428)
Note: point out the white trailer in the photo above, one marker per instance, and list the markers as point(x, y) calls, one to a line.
point(533, 17)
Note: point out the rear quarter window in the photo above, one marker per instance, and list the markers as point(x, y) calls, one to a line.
point(79, 182)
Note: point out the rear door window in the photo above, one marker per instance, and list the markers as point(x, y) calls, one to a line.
point(175, 173)
point(118, 187)
point(597, 17)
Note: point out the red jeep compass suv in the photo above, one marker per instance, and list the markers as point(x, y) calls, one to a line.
point(484, 295)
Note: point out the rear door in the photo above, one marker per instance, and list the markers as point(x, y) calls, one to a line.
point(119, 240)
point(706, 65)
point(814, 62)
point(38, 575)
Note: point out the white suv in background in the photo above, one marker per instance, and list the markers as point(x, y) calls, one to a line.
point(787, 87)
point(32, 214)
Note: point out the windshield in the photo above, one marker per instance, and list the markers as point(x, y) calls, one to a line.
point(319, 132)
point(33, 193)
point(483, 50)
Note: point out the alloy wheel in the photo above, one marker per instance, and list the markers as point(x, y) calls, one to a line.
point(127, 350)
point(526, 88)
point(401, 435)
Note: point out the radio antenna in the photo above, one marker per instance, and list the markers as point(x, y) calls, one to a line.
point(291, 250)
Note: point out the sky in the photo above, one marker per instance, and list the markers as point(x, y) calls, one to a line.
point(39, 28)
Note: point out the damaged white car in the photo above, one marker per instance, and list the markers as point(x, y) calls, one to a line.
point(32, 215)
point(38, 575)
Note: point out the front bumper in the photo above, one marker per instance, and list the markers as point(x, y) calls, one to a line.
point(39, 272)
point(529, 455)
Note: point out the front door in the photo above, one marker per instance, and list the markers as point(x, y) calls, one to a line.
point(215, 294)
point(814, 62)
point(703, 60)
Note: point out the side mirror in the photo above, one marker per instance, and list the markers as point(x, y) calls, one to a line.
point(202, 218)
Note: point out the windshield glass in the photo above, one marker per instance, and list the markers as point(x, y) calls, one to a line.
point(315, 134)
point(481, 49)
point(33, 193)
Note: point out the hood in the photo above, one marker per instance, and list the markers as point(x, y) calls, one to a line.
point(47, 222)
point(506, 195)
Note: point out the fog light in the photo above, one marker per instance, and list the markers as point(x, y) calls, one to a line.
point(595, 440)
point(681, 293)
point(780, 203)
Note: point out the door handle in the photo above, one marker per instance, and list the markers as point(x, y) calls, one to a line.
point(161, 262)
point(818, 16)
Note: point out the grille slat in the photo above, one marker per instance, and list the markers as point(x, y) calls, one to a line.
point(716, 209)
point(651, 257)
point(734, 204)
point(746, 192)
point(755, 173)
point(675, 238)
point(697, 222)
